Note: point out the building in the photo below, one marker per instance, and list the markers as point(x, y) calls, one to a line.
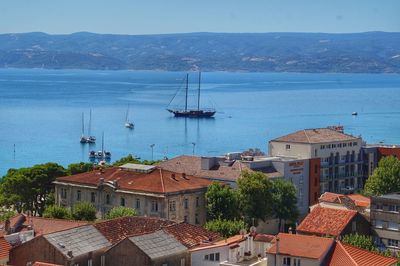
point(92, 244)
point(385, 220)
point(372, 153)
point(355, 202)
point(151, 190)
point(333, 222)
point(336, 157)
point(4, 249)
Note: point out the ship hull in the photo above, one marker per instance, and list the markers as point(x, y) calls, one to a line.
point(193, 113)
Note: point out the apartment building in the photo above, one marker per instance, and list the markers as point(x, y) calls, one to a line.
point(385, 220)
point(337, 156)
point(150, 190)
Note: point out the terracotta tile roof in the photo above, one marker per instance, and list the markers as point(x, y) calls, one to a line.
point(344, 254)
point(264, 238)
point(157, 181)
point(191, 165)
point(118, 229)
point(316, 135)
point(357, 199)
point(312, 247)
point(191, 235)
point(38, 263)
point(326, 221)
point(360, 200)
point(233, 240)
point(4, 248)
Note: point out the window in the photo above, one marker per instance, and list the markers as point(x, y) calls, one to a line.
point(354, 143)
point(212, 256)
point(78, 195)
point(172, 206)
point(378, 206)
point(378, 223)
point(186, 203)
point(296, 262)
point(206, 257)
point(316, 169)
point(322, 147)
point(138, 204)
point(93, 197)
point(286, 261)
point(183, 262)
point(217, 256)
point(197, 201)
point(393, 243)
point(196, 219)
point(393, 226)
point(333, 146)
point(108, 201)
point(103, 260)
point(287, 146)
point(393, 208)
point(185, 218)
point(122, 203)
point(315, 152)
point(63, 193)
point(344, 144)
point(328, 146)
point(350, 144)
point(339, 145)
point(154, 206)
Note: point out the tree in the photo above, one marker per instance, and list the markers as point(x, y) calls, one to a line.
point(133, 159)
point(5, 215)
point(84, 211)
point(222, 202)
point(364, 242)
point(226, 228)
point(385, 179)
point(77, 168)
point(255, 197)
point(28, 189)
point(284, 201)
point(57, 212)
point(120, 212)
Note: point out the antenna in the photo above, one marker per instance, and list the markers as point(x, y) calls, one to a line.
point(198, 93)
point(187, 88)
point(90, 122)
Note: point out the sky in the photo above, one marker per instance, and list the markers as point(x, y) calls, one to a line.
point(180, 16)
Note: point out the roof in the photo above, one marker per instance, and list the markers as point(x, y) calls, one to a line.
point(394, 196)
point(230, 241)
point(264, 238)
point(79, 240)
point(38, 263)
point(158, 181)
point(191, 165)
point(117, 229)
point(326, 221)
point(356, 199)
point(137, 167)
point(158, 244)
point(191, 235)
point(4, 248)
point(348, 255)
point(315, 135)
point(312, 247)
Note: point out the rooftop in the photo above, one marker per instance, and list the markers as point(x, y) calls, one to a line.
point(158, 244)
point(312, 247)
point(4, 248)
point(394, 196)
point(315, 135)
point(344, 254)
point(158, 181)
point(326, 221)
point(38, 263)
point(357, 199)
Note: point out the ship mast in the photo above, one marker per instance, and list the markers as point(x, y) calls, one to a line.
point(198, 94)
point(187, 88)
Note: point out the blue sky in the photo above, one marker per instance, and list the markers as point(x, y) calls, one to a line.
point(173, 16)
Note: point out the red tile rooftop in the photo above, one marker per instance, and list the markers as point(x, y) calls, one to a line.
point(158, 181)
point(344, 254)
point(316, 135)
point(264, 238)
point(4, 248)
point(312, 247)
point(38, 263)
point(326, 221)
point(357, 199)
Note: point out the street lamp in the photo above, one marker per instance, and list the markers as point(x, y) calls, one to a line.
point(194, 145)
point(152, 149)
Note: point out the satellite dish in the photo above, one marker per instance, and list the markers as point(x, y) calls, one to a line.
point(242, 232)
point(253, 229)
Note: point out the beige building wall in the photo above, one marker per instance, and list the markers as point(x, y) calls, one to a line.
point(289, 149)
point(279, 260)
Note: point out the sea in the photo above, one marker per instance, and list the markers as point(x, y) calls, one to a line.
point(41, 112)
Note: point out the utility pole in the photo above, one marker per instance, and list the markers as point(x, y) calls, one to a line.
point(152, 151)
point(194, 145)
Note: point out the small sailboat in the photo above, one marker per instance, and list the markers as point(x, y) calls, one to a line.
point(354, 113)
point(91, 139)
point(128, 124)
point(88, 138)
point(195, 112)
point(102, 154)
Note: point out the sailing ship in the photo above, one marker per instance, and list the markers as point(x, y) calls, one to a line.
point(192, 113)
point(89, 138)
point(100, 155)
point(128, 124)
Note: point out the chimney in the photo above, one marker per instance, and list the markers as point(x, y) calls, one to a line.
point(69, 254)
point(208, 162)
point(290, 230)
point(277, 245)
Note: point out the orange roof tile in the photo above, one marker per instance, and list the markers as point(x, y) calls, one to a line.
point(344, 254)
point(264, 238)
point(326, 221)
point(315, 135)
point(191, 235)
point(38, 263)
point(157, 181)
point(4, 248)
point(118, 229)
point(312, 247)
point(360, 200)
point(43, 226)
point(357, 199)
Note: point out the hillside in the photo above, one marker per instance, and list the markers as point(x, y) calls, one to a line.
point(371, 52)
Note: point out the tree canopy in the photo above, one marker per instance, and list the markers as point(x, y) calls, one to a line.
point(77, 168)
point(225, 227)
point(57, 212)
point(385, 178)
point(120, 211)
point(84, 211)
point(222, 202)
point(284, 201)
point(133, 159)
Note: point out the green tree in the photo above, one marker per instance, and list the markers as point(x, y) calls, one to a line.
point(385, 179)
point(361, 241)
point(28, 189)
point(57, 212)
point(255, 197)
point(77, 168)
point(4, 215)
point(284, 201)
point(226, 228)
point(222, 202)
point(120, 211)
point(84, 211)
point(132, 159)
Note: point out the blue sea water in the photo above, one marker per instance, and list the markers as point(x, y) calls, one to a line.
point(40, 111)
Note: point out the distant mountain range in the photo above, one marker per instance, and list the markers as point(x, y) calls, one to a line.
point(370, 52)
